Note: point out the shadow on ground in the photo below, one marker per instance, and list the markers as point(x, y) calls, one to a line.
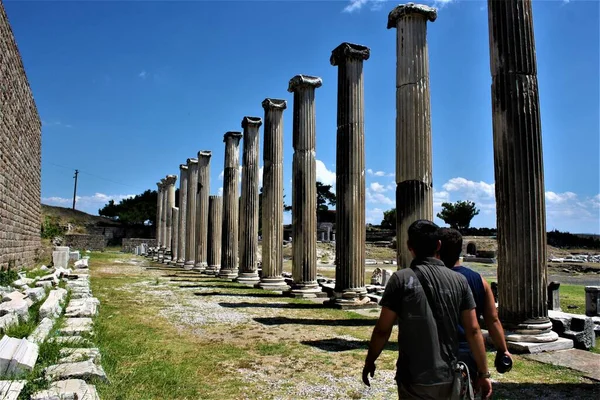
point(271, 295)
point(545, 391)
point(313, 321)
point(336, 345)
point(310, 306)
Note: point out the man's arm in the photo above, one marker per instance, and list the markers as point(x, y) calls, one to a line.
point(475, 339)
point(379, 338)
point(492, 322)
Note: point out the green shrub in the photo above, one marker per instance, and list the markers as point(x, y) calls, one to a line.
point(51, 227)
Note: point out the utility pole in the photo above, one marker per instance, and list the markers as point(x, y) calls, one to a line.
point(75, 189)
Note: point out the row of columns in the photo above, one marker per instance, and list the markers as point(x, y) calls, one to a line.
point(517, 160)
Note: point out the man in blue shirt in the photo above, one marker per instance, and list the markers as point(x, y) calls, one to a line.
point(449, 253)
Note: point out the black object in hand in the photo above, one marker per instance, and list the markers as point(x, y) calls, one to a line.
point(503, 363)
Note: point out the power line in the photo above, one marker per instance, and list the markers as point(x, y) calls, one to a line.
point(88, 173)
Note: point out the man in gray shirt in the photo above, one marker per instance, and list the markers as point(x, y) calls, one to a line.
point(427, 333)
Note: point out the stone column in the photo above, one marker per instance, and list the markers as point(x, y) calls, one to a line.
point(190, 223)
point(414, 185)
point(304, 192)
point(202, 210)
point(163, 215)
point(215, 226)
point(183, 182)
point(159, 203)
point(272, 197)
point(229, 240)
point(248, 273)
point(350, 290)
point(519, 173)
point(174, 235)
point(170, 203)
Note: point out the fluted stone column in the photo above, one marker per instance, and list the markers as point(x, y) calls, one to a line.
point(202, 210)
point(174, 235)
point(163, 214)
point(183, 182)
point(190, 223)
point(414, 184)
point(248, 270)
point(229, 241)
point(350, 290)
point(519, 172)
point(304, 192)
point(272, 197)
point(215, 226)
point(170, 203)
point(159, 203)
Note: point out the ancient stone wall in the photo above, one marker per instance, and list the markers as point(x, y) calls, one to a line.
point(129, 244)
point(85, 242)
point(20, 157)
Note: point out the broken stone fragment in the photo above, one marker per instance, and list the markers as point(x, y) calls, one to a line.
point(76, 326)
point(76, 389)
point(8, 347)
point(18, 307)
point(85, 370)
point(15, 295)
point(41, 332)
point(8, 320)
point(71, 355)
point(23, 359)
point(52, 307)
point(87, 307)
point(19, 283)
point(10, 390)
point(36, 294)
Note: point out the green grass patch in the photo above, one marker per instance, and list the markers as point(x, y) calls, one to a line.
point(272, 349)
point(35, 273)
point(572, 295)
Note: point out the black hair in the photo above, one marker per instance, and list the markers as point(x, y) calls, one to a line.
point(452, 242)
point(423, 238)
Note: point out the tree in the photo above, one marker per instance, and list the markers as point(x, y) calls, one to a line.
point(325, 196)
point(458, 215)
point(389, 219)
point(133, 210)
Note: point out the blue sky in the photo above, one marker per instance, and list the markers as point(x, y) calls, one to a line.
point(128, 90)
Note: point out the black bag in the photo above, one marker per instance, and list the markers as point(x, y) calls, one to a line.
point(461, 381)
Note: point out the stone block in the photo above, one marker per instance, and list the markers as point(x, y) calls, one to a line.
point(41, 332)
point(8, 347)
point(72, 341)
point(44, 284)
point(17, 307)
point(532, 348)
point(85, 370)
point(592, 301)
point(15, 295)
point(36, 294)
point(52, 307)
point(554, 296)
point(60, 259)
point(376, 277)
point(76, 327)
point(22, 282)
point(62, 248)
point(87, 307)
point(8, 320)
point(386, 274)
point(81, 264)
point(70, 355)
point(10, 390)
point(74, 255)
point(578, 328)
point(370, 261)
point(75, 389)
point(24, 358)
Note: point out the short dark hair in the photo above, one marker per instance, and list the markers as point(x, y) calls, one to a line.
point(452, 242)
point(423, 238)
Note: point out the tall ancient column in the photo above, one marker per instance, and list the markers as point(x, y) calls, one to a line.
point(414, 184)
point(170, 203)
point(215, 226)
point(350, 290)
point(304, 192)
point(159, 203)
point(272, 197)
point(229, 241)
point(202, 210)
point(519, 172)
point(174, 235)
point(183, 182)
point(190, 223)
point(163, 216)
point(248, 273)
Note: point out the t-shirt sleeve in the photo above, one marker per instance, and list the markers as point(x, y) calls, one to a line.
point(392, 294)
point(468, 302)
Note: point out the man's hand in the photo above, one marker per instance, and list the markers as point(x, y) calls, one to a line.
point(485, 386)
point(369, 368)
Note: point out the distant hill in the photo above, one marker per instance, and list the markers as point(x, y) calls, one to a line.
point(65, 216)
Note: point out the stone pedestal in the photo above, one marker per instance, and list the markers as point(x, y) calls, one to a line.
point(215, 226)
point(554, 296)
point(170, 203)
point(304, 191)
point(414, 184)
point(159, 203)
point(229, 241)
point(519, 173)
point(350, 290)
point(182, 236)
point(592, 301)
point(190, 223)
point(174, 235)
point(248, 273)
point(272, 197)
point(202, 210)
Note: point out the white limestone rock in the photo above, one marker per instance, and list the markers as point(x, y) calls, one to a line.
point(85, 370)
point(44, 284)
point(10, 390)
point(14, 295)
point(70, 355)
point(75, 389)
point(72, 341)
point(60, 259)
point(52, 307)
point(17, 307)
point(24, 358)
point(82, 264)
point(8, 347)
point(44, 268)
point(41, 332)
point(74, 255)
point(36, 294)
point(87, 307)
point(76, 326)
point(81, 295)
point(20, 283)
point(8, 320)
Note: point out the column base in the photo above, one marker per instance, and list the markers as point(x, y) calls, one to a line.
point(273, 283)
point(200, 266)
point(180, 263)
point(248, 278)
point(350, 303)
point(228, 274)
point(306, 290)
point(211, 270)
point(534, 336)
point(189, 265)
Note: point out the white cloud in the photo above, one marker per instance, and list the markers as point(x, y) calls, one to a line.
point(221, 175)
point(355, 5)
point(379, 188)
point(374, 215)
point(442, 3)
point(324, 175)
point(557, 198)
point(471, 188)
point(48, 124)
point(378, 173)
point(89, 204)
point(378, 198)
point(143, 74)
point(220, 191)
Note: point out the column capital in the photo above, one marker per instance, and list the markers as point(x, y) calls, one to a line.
point(183, 167)
point(159, 185)
point(232, 134)
point(204, 154)
point(303, 81)
point(274, 104)
point(346, 51)
point(249, 122)
point(191, 161)
point(170, 179)
point(410, 8)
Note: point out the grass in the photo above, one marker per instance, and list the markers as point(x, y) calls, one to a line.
point(572, 295)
